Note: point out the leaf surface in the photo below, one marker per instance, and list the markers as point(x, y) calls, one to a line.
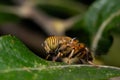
point(18, 63)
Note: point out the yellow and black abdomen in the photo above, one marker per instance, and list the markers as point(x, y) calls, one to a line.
point(51, 43)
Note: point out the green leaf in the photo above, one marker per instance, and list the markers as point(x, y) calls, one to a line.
point(7, 14)
point(8, 2)
point(102, 17)
point(18, 63)
point(99, 12)
point(61, 8)
point(8, 17)
point(113, 56)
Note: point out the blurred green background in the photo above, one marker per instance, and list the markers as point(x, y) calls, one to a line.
point(94, 22)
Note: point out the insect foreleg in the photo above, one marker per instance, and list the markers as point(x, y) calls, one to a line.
point(56, 57)
point(47, 56)
point(71, 54)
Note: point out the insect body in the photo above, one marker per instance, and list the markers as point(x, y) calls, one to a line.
point(54, 44)
point(81, 54)
point(69, 50)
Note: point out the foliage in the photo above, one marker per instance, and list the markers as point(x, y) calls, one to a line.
point(17, 62)
point(97, 25)
point(100, 21)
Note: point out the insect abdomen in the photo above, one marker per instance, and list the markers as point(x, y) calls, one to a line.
point(52, 43)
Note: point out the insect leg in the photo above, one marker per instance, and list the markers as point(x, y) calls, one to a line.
point(83, 61)
point(47, 56)
point(90, 62)
point(71, 54)
point(47, 48)
point(58, 55)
